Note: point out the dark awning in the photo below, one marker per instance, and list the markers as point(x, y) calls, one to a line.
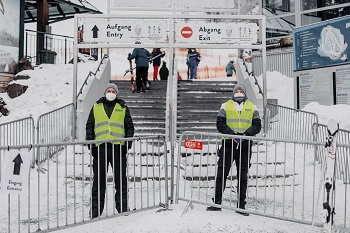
point(59, 10)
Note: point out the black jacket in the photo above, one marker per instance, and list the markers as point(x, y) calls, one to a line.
point(109, 106)
point(223, 128)
point(164, 72)
point(156, 61)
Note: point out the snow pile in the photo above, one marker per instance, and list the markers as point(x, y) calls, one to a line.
point(49, 87)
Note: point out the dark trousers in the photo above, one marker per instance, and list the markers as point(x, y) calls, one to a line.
point(228, 154)
point(141, 77)
point(101, 160)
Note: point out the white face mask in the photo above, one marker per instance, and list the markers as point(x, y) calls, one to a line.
point(111, 96)
point(192, 50)
point(238, 94)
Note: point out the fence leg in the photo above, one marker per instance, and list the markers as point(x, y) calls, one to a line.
point(189, 204)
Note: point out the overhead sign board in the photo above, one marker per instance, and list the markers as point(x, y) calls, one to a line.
point(323, 44)
point(15, 172)
point(126, 31)
point(203, 32)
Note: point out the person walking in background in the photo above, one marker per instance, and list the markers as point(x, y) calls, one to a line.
point(193, 59)
point(141, 57)
point(230, 68)
point(164, 72)
point(109, 118)
point(238, 116)
point(156, 61)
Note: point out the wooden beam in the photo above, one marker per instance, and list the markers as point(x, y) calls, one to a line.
point(43, 15)
point(42, 21)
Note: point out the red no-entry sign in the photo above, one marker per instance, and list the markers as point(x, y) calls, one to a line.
point(186, 32)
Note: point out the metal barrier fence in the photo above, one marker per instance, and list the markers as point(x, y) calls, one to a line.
point(53, 127)
point(17, 132)
point(342, 171)
point(289, 123)
point(283, 179)
point(60, 197)
point(277, 61)
point(56, 49)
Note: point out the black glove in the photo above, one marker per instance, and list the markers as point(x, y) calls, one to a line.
point(128, 144)
point(129, 56)
point(163, 53)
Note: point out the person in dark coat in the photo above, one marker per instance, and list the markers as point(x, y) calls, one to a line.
point(109, 118)
point(238, 116)
point(193, 59)
point(156, 61)
point(164, 72)
point(230, 68)
point(141, 57)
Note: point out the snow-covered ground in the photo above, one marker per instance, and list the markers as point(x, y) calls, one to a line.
point(50, 87)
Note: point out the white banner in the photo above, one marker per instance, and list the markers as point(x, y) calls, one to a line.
point(126, 31)
point(15, 172)
point(216, 33)
point(9, 35)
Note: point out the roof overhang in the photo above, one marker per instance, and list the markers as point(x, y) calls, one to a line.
point(59, 10)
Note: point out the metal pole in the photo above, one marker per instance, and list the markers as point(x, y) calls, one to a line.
point(264, 62)
point(75, 74)
point(65, 50)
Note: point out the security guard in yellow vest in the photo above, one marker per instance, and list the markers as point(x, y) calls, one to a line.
point(109, 118)
point(238, 116)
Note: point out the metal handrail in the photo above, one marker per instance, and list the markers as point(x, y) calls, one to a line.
point(91, 73)
point(252, 75)
point(46, 33)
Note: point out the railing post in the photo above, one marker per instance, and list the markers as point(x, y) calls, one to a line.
point(26, 44)
point(65, 50)
point(46, 60)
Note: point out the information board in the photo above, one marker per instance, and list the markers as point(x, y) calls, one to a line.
point(322, 44)
point(342, 77)
point(315, 86)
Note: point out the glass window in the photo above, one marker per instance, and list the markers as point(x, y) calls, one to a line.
point(313, 4)
point(279, 7)
point(320, 16)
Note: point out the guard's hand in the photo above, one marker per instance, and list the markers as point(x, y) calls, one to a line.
point(239, 140)
point(129, 56)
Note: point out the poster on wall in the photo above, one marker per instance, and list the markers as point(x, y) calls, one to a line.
point(323, 44)
point(342, 80)
point(315, 86)
point(9, 35)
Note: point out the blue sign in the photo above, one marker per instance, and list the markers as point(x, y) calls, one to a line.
point(323, 44)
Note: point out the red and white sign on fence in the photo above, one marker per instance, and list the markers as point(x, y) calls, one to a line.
point(192, 144)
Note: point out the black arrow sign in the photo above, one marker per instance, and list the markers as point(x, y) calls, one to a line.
point(17, 166)
point(94, 32)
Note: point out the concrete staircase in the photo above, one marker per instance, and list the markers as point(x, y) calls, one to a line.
point(199, 103)
point(147, 109)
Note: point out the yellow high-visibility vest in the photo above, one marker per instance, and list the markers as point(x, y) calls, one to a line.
point(239, 122)
point(109, 128)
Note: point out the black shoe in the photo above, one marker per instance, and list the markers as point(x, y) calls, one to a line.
point(213, 208)
point(137, 91)
point(242, 213)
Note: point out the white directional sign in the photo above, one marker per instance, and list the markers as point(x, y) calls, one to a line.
point(126, 31)
point(15, 172)
point(216, 33)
